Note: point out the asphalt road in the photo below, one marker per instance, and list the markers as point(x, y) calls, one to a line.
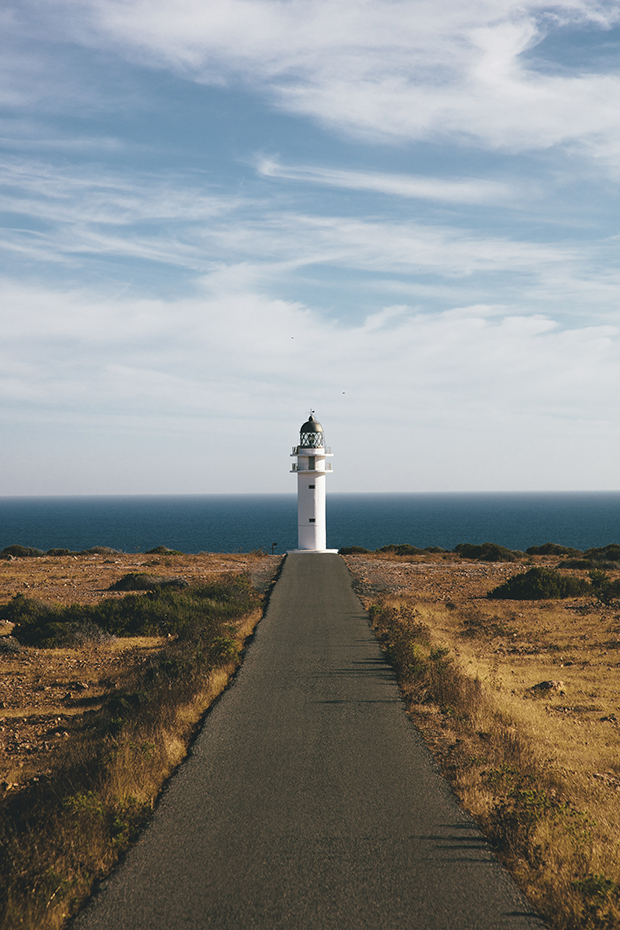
point(309, 799)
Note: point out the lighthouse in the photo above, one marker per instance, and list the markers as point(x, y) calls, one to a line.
point(311, 468)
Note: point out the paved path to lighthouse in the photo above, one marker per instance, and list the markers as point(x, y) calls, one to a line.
point(309, 801)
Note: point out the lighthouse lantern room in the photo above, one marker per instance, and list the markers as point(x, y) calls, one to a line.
point(311, 468)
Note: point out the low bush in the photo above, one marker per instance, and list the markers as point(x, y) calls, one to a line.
point(16, 551)
point(353, 550)
point(426, 672)
point(155, 613)
point(141, 581)
point(582, 563)
point(550, 548)
point(54, 634)
point(163, 550)
point(402, 549)
point(610, 553)
point(540, 584)
point(606, 590)
point(487, 552)
point(21, 552)
point(98, 550)
point(597, 558)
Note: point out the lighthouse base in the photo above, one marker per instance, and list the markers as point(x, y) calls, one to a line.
point(312, 551)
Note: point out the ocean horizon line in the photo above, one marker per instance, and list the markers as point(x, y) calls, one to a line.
point(293, 494)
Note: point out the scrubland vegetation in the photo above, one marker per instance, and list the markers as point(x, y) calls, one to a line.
point(60, 832)
point(516, 688)
point(509, 663)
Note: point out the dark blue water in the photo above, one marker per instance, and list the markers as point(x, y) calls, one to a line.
point(240, 523)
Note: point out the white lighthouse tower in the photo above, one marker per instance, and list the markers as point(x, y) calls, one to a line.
point(311, 468)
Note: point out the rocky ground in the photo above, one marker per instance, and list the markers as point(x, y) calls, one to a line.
point(44, 693)
point(434, 577)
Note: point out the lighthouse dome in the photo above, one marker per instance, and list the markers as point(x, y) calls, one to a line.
point(311, 434)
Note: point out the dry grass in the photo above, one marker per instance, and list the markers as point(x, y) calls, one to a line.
point(65, 827)
point(85, 579)
point(539, 771)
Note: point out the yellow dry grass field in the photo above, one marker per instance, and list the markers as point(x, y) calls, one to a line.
point(45, 692)
point(566, 730)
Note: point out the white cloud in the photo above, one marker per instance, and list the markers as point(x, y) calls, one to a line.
point(455, 191)
point(252, 364)
point(381, 69)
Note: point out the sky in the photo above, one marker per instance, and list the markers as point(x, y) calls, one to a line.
point(218, 215)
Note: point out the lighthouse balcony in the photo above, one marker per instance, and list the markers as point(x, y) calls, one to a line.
point(315, 471)
point(312, 450)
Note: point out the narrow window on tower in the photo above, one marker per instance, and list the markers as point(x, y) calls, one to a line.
point(311, 520)
point(312, 486)
point(311, 462)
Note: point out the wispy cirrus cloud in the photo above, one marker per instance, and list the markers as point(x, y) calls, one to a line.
point(75, 215)
point(454, 190)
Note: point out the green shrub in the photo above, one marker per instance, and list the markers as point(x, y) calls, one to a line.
point(597, 558)
point(600, 900)
point(46, 626)
point(56, 634)
point(223, 650)
point(540, 584)
point(550, 548)
point(606, 590)
point(353, 550)
point(404, 640)
point(402, 549)
point(155, 613)
point(141, 581)
point(610, 553)
point(520, 805)
point(162, 550)
point(427, 673)
point(22, 552)
point(99, 550)
point(487, 552)
point(22, 609)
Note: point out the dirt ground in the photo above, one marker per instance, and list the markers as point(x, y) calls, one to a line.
point(436, 578)
point(514, 646)
point(44, 693)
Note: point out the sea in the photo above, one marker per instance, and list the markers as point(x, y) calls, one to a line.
point(247, 522)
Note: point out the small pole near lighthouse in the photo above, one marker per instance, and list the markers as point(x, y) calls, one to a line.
point(311, 468)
